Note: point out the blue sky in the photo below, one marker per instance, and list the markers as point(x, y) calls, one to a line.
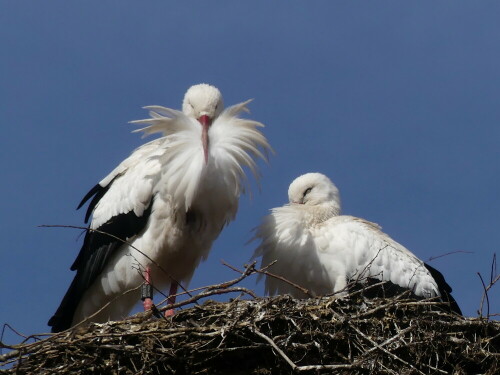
point(397, 102)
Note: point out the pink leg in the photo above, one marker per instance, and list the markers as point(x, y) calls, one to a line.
point(147, 291)
point(171, 298)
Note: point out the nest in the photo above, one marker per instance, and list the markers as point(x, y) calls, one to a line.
point(280, 335)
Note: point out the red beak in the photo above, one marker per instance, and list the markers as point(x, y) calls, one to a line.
point(205, 122)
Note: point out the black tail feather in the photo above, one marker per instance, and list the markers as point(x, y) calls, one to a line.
point(63, 317)
point(444, 289)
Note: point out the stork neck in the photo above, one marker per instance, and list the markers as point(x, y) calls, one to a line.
point(317, 214)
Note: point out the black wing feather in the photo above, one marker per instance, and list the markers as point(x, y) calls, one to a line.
point(444, 289)
point(98, 192)
point(389, 289)
point(98, 246)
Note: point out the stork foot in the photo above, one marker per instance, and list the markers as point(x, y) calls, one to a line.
point(171, 299)
point(147, 291)
point(169, 313)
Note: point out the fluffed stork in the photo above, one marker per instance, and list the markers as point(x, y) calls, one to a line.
point(169, 199)
point(316, 247)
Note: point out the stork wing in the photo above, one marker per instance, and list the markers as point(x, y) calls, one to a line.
point(121, 205)
point(370, 253)
point(366, 252)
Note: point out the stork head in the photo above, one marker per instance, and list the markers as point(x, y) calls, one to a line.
point(313, 189)
point(204, 103)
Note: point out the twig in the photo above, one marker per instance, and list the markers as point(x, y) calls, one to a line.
point(485, 295)
point(291, 363)
point(302, 289)
point(124, 242)
point(343, 336)
point(450, 253)
point(222, 288)
point(493, 271)
point(385, 350)
point(388, 341)
point(494, 278)
point(263, 271)
point(275, 347)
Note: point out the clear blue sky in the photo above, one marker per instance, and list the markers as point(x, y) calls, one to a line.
point(397, 102)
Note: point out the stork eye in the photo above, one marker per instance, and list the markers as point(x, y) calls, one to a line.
point(307, 191)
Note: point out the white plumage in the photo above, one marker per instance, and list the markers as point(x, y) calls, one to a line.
point(170, 199)
point(319, 249)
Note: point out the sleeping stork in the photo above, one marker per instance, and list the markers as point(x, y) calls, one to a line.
point(169, 199)
point(316, 247)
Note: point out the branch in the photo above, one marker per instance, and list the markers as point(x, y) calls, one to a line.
point(216, 289)
point(124, 242)
point(264, 271)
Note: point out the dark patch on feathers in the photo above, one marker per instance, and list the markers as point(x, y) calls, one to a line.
point(190, 218)
point(97, 192)
point(96, 250)
point(444, 289)
point(390, 290)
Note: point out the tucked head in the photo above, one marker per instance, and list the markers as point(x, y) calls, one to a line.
point(203, 102)
point(313, 189)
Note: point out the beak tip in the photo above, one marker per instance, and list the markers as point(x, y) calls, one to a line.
point(205, 120)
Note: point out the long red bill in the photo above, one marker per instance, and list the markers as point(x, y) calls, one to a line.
point(205, 122)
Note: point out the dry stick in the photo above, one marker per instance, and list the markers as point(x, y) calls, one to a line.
point(273, 344)
point(493, 281)
point(360, 276)
point(207, 294)
point(5, 346)
point(232, 267)
point(450, 253)
point(301, 367)
point(290, 362)
point(88, 318)
point(303, 290)
point(221, 288)
point(485, 294)
point(385, 350)
point(30, 347)
point(389, 340)
point(369, 264)
point(365, 288)
point(217, 286)
point(325, 367)
point(140, 265)
point(187, 292)
point(373, 310)
point(267, 273)
point(7, 325)
point(123, 241)
point(493, 268)
point(269, 265)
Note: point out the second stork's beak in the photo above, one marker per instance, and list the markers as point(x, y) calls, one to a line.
point(205, 122)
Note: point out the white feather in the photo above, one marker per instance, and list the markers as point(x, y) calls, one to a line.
point(317, 249)
point(170, 174)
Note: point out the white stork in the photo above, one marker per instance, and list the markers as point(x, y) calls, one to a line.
point(316, 247)
point(169, 199)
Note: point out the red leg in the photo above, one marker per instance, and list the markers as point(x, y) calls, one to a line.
point(147, 290)
point(171, 298)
